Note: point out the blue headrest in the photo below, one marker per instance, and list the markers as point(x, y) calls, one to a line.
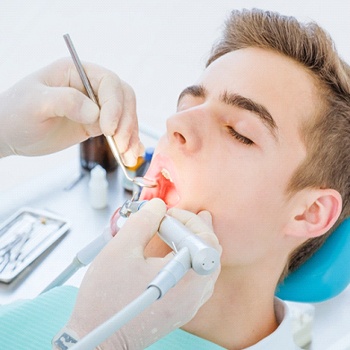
point(325, 274)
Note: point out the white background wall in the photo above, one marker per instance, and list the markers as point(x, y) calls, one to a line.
point(159, 47)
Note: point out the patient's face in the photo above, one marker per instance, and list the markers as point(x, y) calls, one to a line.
point(232, 147)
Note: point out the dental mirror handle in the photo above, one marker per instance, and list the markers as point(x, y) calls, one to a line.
point(86, 82)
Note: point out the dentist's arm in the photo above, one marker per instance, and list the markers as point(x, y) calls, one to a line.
point(48, 111)
point(121, 273)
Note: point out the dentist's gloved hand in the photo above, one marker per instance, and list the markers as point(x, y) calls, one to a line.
point(48, 111)
point(121, 273)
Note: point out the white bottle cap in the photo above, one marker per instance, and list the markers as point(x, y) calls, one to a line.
point(98, 186)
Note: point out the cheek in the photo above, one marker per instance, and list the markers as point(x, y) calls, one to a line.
point(198, 188)
point(248, 222)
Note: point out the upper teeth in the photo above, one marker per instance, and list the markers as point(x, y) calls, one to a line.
point(166, 174)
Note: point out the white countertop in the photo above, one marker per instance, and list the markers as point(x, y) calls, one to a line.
point(47, 191)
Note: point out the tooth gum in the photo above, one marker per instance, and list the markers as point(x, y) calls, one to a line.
point(166, 174)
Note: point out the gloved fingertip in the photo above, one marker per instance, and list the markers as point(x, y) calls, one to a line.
point(107, 130)
point(140, 149)
point(89, 112)
point(129, 158)
point(206, 217)
point(156, 205)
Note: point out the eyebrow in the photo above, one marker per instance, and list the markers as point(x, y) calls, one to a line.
point(193, 90)
point(239, 101)
point(251, 106)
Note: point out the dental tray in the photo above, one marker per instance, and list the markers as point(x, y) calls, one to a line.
point(24, 236)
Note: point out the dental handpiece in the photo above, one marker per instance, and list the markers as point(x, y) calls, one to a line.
point(204, 258)
point(190, 251)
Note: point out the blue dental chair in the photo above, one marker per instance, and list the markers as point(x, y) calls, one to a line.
point(325, 274)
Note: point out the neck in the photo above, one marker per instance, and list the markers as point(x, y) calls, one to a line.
point(232, 316)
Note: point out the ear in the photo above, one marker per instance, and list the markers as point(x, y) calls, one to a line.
point(315, 214)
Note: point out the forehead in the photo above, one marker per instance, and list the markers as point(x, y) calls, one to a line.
point(283, 86)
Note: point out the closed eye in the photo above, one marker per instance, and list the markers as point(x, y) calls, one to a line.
point(239, 137)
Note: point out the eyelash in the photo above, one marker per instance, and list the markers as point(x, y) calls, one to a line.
point(239, 137)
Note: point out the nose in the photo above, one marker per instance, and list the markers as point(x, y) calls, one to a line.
point(186, 130)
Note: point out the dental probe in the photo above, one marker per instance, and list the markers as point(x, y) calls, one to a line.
point(140, 181)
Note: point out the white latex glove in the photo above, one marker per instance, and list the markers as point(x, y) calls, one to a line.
point(121, 273)
point(48, 111)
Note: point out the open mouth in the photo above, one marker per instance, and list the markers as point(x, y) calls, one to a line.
point(162, 171)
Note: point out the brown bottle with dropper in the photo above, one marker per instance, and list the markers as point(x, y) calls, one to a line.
point(96, 150)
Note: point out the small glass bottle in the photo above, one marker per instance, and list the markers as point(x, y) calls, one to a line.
point(95, 150)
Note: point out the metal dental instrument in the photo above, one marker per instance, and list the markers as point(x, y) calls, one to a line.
point(139, 181)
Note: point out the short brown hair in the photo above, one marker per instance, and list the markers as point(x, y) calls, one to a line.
point(326, 135)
